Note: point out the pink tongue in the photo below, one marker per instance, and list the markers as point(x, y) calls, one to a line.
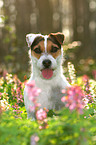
point(47, 73)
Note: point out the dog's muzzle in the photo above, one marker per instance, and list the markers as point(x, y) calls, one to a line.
point(47, 72)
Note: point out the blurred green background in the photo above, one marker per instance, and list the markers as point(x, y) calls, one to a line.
point(75, 18)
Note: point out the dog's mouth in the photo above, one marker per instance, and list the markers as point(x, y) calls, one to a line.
point(47, 73)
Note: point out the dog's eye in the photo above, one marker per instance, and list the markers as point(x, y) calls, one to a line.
point(54, 49)
point(37, 50)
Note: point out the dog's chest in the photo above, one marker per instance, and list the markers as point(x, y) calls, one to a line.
point(50, 96)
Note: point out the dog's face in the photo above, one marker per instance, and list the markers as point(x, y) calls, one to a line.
point(46, 53)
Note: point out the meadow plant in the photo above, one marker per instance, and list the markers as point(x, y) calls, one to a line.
point(40, 114)
point(94, 74)
point(34, 140)
point(73, 97)
point(87, 92)
point(0, 95)
point(65, 127)
point(93, 88)
point(9, 79)
point(71, 71)
point(33, 92)
point(11, 93)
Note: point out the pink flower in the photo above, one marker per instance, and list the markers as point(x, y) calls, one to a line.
point(85, 78)
point(32, 90)
point(74, 98)
point(34, 140)
point(94, 74)
point(41, 114)
point(32, 108)
point(31, 84)
point(0, 95)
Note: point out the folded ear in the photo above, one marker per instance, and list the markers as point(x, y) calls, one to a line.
point(30, 38)
point(58, 36)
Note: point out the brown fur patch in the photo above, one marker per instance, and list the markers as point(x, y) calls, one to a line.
point(49, 47)
point(41, 45)
point(50, 44)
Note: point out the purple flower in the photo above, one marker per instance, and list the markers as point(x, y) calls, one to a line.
point(87, 92)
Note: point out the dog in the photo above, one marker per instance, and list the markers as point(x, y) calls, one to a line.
point(46, 55)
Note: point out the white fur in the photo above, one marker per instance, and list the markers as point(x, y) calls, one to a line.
point(45, 42)
point(30, 38)
point(50, 97)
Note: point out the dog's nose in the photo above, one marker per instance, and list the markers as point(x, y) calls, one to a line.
point(46, 63)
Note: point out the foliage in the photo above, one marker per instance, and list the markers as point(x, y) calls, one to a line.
point(68, 129)
point(84, 65)
point(11, 93)
point(15, 130)
point(65, 127)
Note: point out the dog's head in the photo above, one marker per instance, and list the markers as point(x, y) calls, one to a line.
point(46, 53)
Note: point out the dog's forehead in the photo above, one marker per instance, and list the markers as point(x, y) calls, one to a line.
point(57, 38)
point(43, 45)
point(47, 41)
point(30, 38)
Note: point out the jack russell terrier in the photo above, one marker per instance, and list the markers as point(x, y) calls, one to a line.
point(46, 56)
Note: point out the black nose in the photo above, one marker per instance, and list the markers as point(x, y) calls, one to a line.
point(46, 63)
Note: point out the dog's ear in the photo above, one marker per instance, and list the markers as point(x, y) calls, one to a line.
point(58, 36)
point(30, 38)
